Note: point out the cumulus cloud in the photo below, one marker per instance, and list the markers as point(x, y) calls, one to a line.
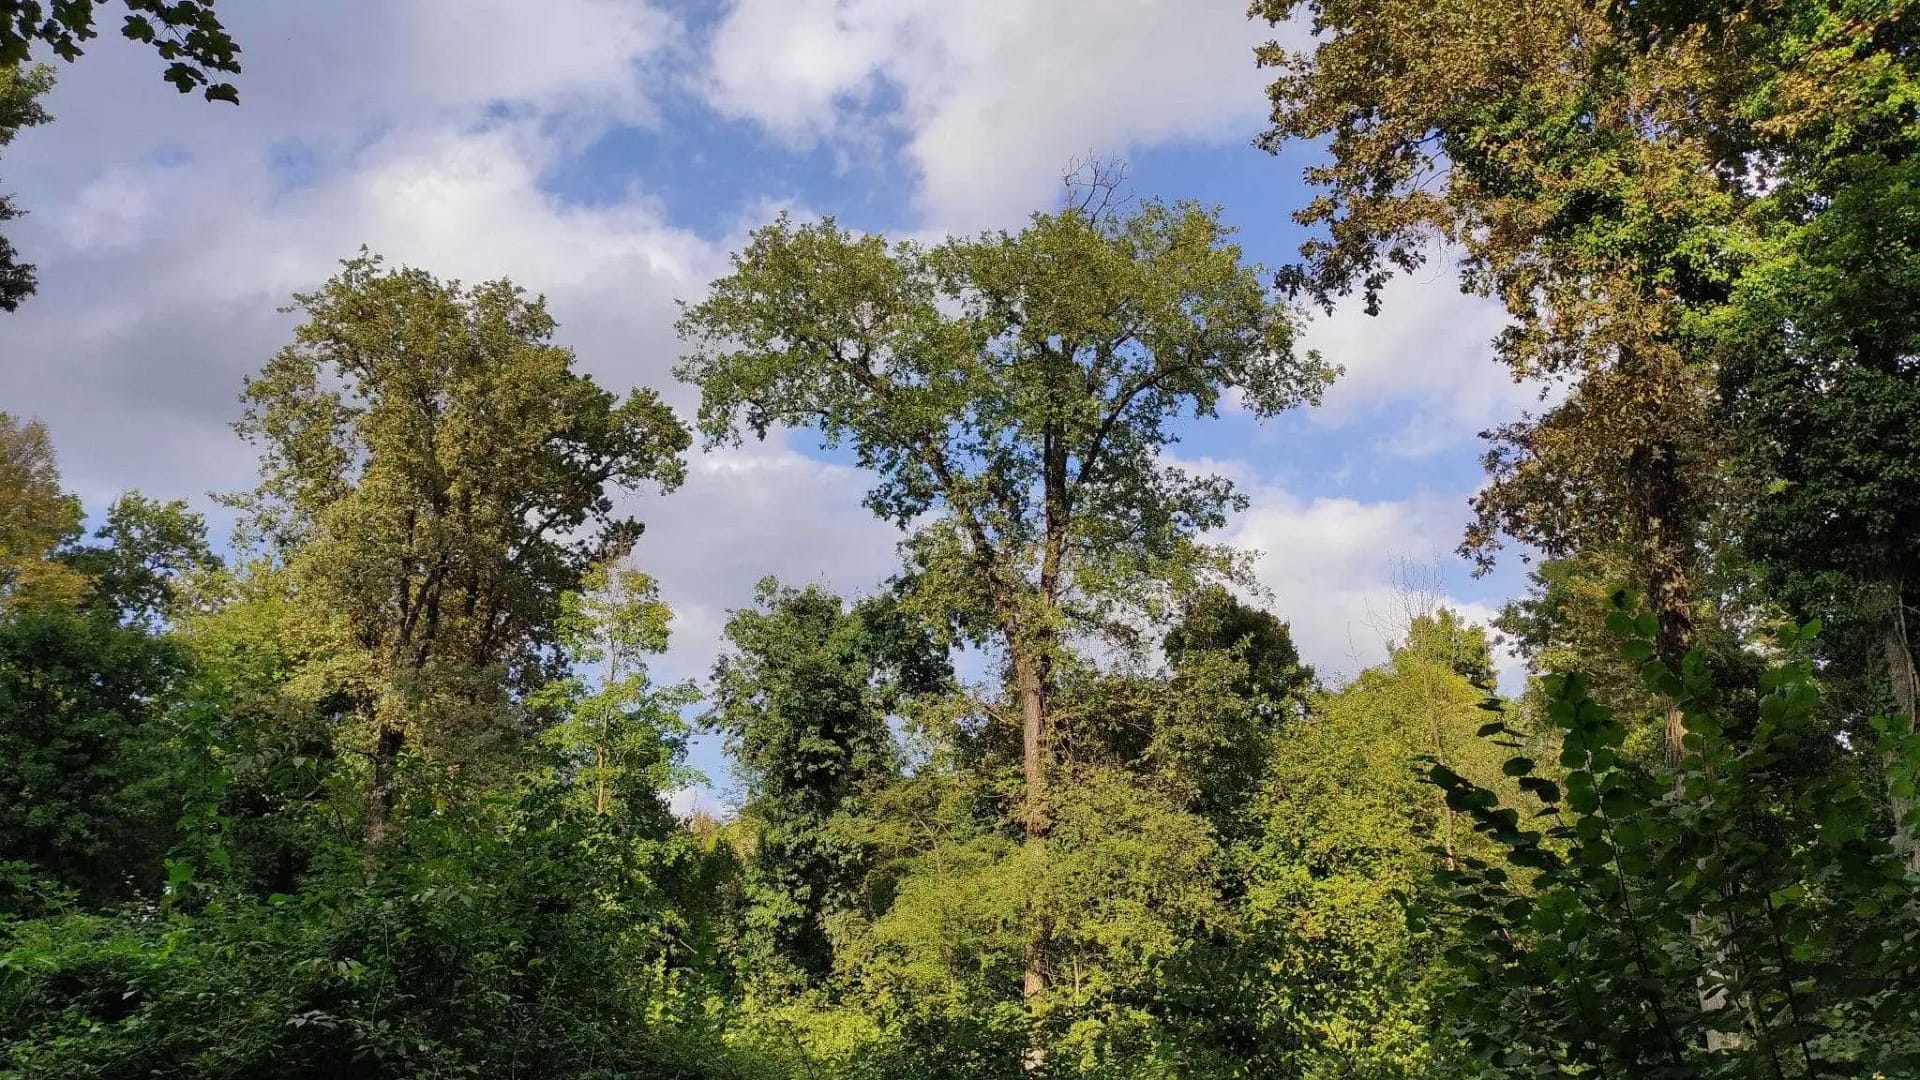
point(168, 230)
point(746, 513)
point(1430, 346)
point(1349, 574)
point(993, 99)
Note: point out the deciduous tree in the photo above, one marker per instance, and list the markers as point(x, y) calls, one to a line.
point(1013, 394)
point(435, 475)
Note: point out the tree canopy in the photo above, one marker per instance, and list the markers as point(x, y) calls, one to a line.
point(397, 783)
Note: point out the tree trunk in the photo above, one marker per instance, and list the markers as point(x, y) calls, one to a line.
point(1030, 673)
point(381, 796)
point(1668, 547)
point(1905, 685)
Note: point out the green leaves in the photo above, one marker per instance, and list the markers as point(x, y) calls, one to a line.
point(437, 478)
point(1661, 881)
point(186, 33)
point(1022, 383)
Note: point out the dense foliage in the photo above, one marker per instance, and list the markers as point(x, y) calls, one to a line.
point(383, 787)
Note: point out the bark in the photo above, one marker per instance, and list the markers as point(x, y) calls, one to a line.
point(1667, 544)
point(380, 801)
point(1905, 685)
point(1030, 679)
point(1033, 662)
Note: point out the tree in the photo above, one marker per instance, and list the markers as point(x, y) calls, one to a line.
point(1583, 177)
point(1218, 621)
point(1349, 842)
point(1818, 340)
point(37, 520)
point(21, 89)
point(435, 477)
point(79, 758)
point(149, 545)
point(1238, 665)
point(186, 33)
point(621, 738)
point(803, 697)
point(1023, 386)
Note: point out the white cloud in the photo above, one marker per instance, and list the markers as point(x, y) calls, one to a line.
point(161, 272)
point(996, 97)
point(166, 237)
point(1348, 574)
point(1432, 346)
point(748, 512)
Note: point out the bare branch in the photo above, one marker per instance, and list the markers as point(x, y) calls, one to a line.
point(1095, 186)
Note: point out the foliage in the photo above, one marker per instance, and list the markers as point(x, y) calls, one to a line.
point(185, 33)
point(21, 88)
point(388, 792)
point(1022, 382)
point(1350, 840)
point(148, 548)
point(1583, 176)
point(1738, 913)
point(80, 701)
point(434, 478)
point(803, 698)
point(526, 939)
point(620, 739)
point(1024, 386)
point(37, 519)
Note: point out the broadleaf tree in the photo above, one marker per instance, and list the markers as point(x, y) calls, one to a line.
point(437, 476)
point(1014, 395)
point(803, 695)
point(1580, 178)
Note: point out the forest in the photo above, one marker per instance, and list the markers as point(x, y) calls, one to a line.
point(379, 787)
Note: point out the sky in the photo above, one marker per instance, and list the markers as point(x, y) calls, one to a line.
point(610, 154)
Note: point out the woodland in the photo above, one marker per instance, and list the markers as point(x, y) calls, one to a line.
point(379, 788)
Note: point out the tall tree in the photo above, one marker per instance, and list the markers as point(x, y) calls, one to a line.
point(1022, 387)
point(1819, 340)
point(1581, 175)
point(621, 737)
point(21, 89)
point(803, 697)
point(435, 475)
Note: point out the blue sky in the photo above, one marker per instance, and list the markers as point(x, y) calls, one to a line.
point(610, 153)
